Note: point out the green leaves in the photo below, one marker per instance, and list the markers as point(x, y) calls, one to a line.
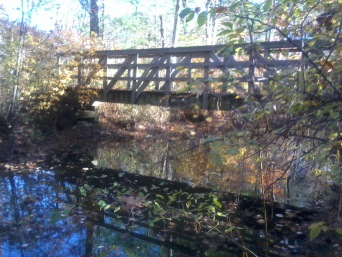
point(339, 231)
point(55, 216)
point(83, 191)
point(228, 24)
point(267, 5)
point(316, 228)
point(103, 205)
point(184, 12)
point(189, 14)
point(202, 18)
point(216, 202)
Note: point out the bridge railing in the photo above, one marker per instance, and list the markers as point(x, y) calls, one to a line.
point(202, 69)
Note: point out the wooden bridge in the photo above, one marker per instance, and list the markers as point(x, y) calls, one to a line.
point(210, 76)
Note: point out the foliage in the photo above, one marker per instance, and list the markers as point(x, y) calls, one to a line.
point(299, 108)
point(296, 116)
point(42, 88)
point(162, 205)
point(291, 119)
point(316, 228)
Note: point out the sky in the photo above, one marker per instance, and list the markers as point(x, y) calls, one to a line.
point(44, 17)
point(63, 12)
point(60, 12)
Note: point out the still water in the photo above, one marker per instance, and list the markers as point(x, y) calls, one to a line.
point(110, 196)
point(48, 213)
point(43, 216)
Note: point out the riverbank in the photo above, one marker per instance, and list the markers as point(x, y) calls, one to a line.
point(24, 146)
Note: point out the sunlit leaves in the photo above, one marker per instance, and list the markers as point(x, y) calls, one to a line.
point(188, 14)
point(103, 205)
point(184, 12)
point(267, 5)
point(116, 209)
point(217, 203)
point(228, 24)
point(42, 84)
point(202, 18)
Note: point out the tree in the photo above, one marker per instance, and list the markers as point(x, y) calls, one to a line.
point(94, 18)
point(175, 24)
point(295, 118)
point(93, 9)
point(15, 54)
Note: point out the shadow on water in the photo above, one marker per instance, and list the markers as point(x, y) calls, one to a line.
point(42, 215)
point(62, 213)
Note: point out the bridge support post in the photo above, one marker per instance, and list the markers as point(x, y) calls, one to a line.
point(105, 80)
point(167, 86)
point(134, 79)
point(205, 94)
point(251, 72)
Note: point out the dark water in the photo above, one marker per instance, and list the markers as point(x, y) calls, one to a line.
point(39, 218)
point(43, 212)
point(29, 204)
point(42, 215)
point(158, 184)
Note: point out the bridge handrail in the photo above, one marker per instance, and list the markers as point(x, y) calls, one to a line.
point(295, 45)
point(166, 67)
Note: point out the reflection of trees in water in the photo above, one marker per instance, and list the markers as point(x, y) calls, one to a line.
point(144, 157)
point(228, 166)
point(119, 244)
point(27, 208)
point(39, 217)
point(222, 153)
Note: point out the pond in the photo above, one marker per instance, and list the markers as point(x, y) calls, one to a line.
point(130, 190)
point(60, 212)
point(42, 215)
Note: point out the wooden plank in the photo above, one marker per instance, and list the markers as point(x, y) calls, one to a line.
point(295, 44)
point(148, 75)
point(117, 75)
point(167, 84)
point(134, 79)
point(104, 78)
point(223, 65)
point(225, 69)
point(182, 63)
point(205, 90)
point(158, 79)
point(206, 59)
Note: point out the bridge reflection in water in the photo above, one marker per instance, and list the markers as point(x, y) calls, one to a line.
point(45, 213)
point(210, 75)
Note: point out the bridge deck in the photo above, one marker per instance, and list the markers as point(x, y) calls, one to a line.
point(203, 71)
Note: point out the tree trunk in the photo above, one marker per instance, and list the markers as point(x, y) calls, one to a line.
point(94, 19)
point(175, 25)
point(162, 31)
